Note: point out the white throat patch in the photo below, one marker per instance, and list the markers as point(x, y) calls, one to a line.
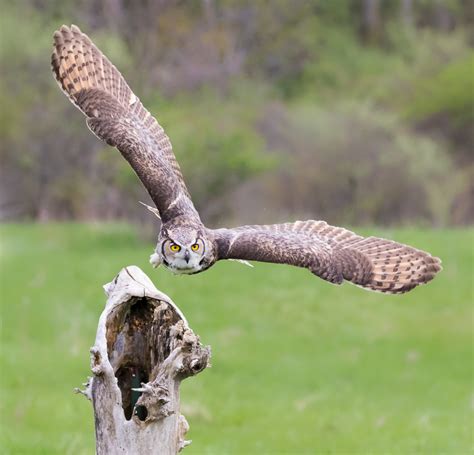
point(180, 266)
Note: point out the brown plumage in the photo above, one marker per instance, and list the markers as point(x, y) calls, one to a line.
point(332, 253)
point(116, 115)
point(185, 245)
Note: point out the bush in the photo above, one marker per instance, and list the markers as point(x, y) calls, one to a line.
point(354, 164)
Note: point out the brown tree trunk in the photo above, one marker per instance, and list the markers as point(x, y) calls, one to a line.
point(443, 18)
point(371, 25)
point(144, 348)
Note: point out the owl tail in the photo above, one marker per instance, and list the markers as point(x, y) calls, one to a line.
point(386, 266)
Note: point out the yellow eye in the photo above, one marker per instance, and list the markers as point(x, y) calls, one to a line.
point(195, 247)
point(175, 247)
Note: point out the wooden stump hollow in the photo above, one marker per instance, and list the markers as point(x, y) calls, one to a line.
point(144, 348)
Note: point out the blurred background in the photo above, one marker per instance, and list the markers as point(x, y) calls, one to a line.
point(358, 112)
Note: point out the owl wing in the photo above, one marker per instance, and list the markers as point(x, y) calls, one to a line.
point(117, 116)
point(332, 253)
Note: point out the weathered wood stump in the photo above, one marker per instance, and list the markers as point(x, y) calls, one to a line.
point(143, 349)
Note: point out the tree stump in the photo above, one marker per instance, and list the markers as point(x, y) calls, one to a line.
point(143, 349)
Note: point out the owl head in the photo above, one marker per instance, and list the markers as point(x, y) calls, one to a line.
point(183, 250)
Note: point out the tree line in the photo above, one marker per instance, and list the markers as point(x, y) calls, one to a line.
point(356, 111)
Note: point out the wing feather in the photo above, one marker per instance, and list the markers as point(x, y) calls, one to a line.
point(116, 115)
point(332, 253)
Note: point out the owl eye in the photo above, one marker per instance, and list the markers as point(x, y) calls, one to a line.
point(195, 247)
point(175, 247)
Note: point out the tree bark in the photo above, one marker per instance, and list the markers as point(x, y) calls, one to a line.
point(371, 21)
point(144, 348)
point(443, 18)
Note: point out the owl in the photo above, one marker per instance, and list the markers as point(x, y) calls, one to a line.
point(185, 245)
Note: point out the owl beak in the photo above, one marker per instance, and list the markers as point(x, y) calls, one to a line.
point(186, 256)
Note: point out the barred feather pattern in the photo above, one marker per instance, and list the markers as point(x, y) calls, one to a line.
point(332, 253)
point(116, 115)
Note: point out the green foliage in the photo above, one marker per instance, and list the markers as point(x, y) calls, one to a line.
point(343, 65)
point(358, 164)
point(21, 41)
point(215, 142)
point(450, 91)
point(211, 72)
point(420, 58)
point(298, 365)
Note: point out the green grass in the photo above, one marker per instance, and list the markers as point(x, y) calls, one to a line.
point(299, 366)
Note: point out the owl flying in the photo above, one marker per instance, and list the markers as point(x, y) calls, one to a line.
point(115, 115)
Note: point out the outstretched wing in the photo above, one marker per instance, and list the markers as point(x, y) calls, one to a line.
point(332, 253)
point(118, 117)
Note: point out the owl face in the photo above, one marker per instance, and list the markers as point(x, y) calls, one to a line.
point(183, 252)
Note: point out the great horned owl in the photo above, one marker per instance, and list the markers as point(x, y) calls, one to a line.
point(185, 245)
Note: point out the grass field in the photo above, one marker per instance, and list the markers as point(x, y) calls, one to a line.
point(299, 365)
